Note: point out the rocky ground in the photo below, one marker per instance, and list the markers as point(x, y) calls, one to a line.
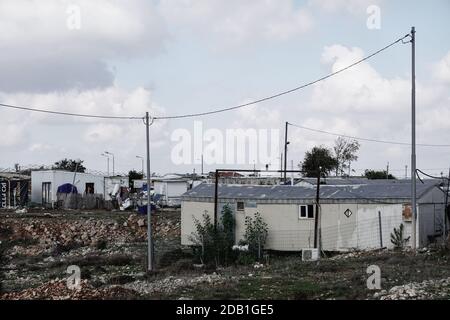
point(110, 250)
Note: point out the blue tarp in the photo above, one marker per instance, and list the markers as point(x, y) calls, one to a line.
point(67, 188)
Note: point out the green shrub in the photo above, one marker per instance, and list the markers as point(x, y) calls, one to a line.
point(256, 231)
point(397, 237)
point(213, 245)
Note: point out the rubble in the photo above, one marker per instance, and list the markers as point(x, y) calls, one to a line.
point(48, 233)
point(170, 284)
point(428, 289)
point(58, 290)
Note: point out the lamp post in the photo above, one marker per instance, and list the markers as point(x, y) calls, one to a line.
point(107, 161)
point(142, 161)
point(111, 154)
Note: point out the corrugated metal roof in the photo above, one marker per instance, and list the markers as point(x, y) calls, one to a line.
point(379, 190)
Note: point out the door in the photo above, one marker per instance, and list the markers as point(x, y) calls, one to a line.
point(46, 193)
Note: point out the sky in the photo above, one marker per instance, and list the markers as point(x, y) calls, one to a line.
point(124, 58)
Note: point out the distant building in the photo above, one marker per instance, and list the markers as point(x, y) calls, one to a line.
point(353, 216)
point(45, 183)
point(14, 190)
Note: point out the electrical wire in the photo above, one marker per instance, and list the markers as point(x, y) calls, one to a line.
point(284, 92)
point(69, 113)
point(367, 139)
point(430, 176)
point(214, 111)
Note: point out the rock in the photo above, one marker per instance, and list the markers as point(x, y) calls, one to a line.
point(141, 222)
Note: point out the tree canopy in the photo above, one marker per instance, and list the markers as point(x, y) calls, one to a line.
point(373, 174)
point(318, 157)
point(134, 175)
point(69, 165)
point(345, 153)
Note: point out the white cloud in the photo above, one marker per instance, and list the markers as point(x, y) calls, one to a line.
point(38, 136)
point(360, 88)
point(12, 134)
point(229, 23)
point(35, 40)
point(257, 116)
point(441, 69)
point(355, 7)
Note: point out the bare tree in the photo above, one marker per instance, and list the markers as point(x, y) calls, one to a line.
point(345, 153)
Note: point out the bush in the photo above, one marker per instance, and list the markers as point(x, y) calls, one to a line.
point(213, 245)
point(256, 231)
point(397, 237)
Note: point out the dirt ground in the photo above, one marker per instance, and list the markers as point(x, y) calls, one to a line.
point(110, 250)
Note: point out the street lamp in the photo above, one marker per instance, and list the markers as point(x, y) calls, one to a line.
point(142, 160)
point(107, 158)
point(111, 154)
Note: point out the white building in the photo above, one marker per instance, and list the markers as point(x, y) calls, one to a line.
point(170, 186)
point(45, 183)
point(352, 216)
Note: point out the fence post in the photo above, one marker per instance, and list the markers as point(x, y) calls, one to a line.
point(381, 232)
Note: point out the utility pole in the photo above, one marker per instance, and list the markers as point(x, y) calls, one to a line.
point(406, 172)
point(387, 171)
point(142, 162)
point(285, 149)
point(109, 153)
point(281, 166)
point(202, 164)
point(413, 136)
point(446, 206)
point(316, 218)
point(107, 162)
point(292, 173)
point(216, 189)
point(150, 261)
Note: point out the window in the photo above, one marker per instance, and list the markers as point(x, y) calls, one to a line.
point(306, 211)
point(251, 204)
point(89, 188)
point(240, 205)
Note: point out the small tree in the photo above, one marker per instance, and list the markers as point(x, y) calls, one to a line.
point(256, 231)
point(228, 225)
point(134, 175)
point(318, 157)
point(215, 244)
point(345, 153)
point(397, 237)
point(203, 239)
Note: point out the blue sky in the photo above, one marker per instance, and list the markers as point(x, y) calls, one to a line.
point(175, 57)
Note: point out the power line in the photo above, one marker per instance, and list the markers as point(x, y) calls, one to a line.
point(430, 176)
point(208, 112)
point(368, 139)
point(284, 92)
point(69, 113)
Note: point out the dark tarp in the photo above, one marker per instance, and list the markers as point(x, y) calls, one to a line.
point(67, 188)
